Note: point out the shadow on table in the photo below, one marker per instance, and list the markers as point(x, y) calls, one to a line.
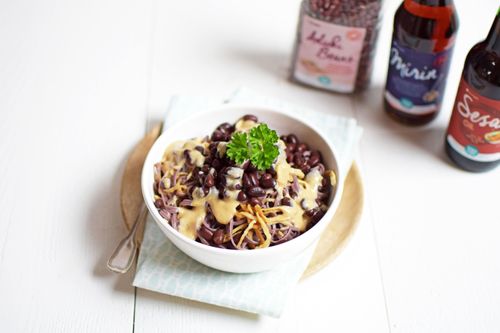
point(105, 229)
point(370, 113)
point(182, 303)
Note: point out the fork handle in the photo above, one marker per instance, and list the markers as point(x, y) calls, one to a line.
point(122, 258)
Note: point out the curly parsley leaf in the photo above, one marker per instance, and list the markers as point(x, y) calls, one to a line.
point(237, 149)
point(263, 146)
point(259, 146)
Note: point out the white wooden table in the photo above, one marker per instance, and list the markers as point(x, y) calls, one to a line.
point(80, 83)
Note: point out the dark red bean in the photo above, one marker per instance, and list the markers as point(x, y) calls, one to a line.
point(209, 180)
point(305, 168)
point(267, 182)
point(302, 147)
point(311, 212)
point(286, 202)
point(299, 160)
point(292, 138)
point(256, 191)
point(217, 136)
point(254, 178)
point(216, 164)
point(205, 233)
point(245, 164)
point(242, 196)
point(314, 159)
point(237, 187)
point(213, 146)
point(325, 182)
point(222, 193)
point(158, 203)
point(200, 149)
point(283, 138)
point(290, 147)
point(266, 176)
point(221, 181)
point(250, 117)
point(225, 127)
point(218, 237)
point(289, 157)
point(205, 168)
point(271, 171)
point(254, 202)
point(317, 216)
point(247, 182)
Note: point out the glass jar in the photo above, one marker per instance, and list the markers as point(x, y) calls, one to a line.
point(335, 44)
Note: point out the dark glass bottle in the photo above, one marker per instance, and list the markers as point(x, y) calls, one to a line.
point(422, 44)
point(473, 136)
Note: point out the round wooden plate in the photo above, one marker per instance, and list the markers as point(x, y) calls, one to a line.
point(331, 243)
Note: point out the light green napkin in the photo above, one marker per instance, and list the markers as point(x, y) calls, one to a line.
point(163, 268)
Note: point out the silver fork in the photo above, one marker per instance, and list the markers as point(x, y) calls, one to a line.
point(122, 258)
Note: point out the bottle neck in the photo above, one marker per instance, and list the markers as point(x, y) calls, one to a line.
point(433, 3)
point(493, 39)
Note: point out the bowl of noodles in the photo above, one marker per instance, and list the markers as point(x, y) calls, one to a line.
point(242, 189)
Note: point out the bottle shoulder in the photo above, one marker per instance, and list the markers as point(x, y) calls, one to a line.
point(419, 33)
point(482, 70)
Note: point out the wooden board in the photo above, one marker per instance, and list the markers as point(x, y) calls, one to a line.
point(332, 241)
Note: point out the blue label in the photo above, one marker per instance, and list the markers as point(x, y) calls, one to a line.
point(416, 80)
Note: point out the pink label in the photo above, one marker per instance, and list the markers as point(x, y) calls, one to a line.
point(328, 55)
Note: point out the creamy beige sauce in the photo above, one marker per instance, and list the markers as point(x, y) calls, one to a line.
point(175, 153)
point(308, 188)
point(309, 191)
point(224, 209)
point(190, 220)
point(245, 125)
point(284, 171)
point(196, 158)
point(221, 148)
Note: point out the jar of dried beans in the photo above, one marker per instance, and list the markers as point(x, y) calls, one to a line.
point(335, 44)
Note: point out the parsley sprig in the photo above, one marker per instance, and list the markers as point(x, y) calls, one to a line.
point(258, 146)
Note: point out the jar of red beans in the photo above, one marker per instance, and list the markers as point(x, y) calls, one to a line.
point(335, 44)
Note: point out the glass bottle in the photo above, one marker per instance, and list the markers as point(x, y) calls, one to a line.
point(422, 44)
point(335, 44)
point(473, 136)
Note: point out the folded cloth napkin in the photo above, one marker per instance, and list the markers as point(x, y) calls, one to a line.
point(163, 268)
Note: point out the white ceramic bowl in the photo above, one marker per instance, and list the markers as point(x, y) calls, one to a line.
point(244, 261)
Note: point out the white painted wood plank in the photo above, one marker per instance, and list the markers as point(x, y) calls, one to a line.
point(73, 90)
point(214, 47)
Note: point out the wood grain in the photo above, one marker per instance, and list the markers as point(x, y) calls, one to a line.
point(341, 228)
point(332, 241)
point(130, 192)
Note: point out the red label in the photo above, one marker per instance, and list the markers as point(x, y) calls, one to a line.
point(474, 129)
